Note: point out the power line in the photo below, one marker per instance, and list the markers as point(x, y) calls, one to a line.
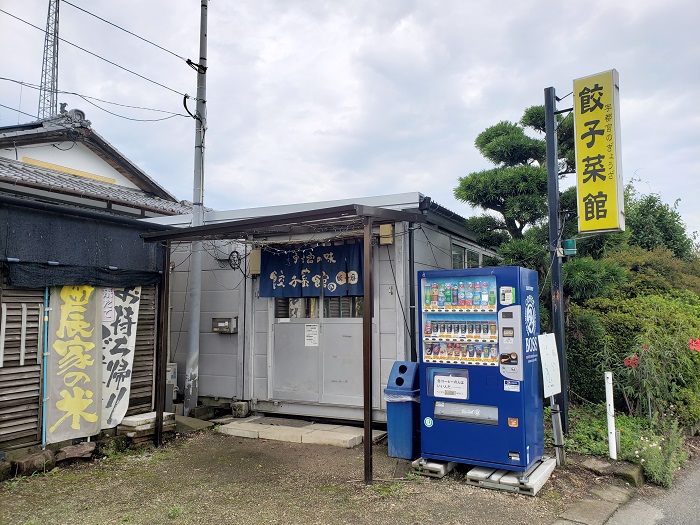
point(125, 30)
point(34, 86)
point(131, 118)
point(19, 111)
point(97, 56)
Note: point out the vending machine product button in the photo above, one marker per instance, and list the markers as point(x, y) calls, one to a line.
point(513, 422)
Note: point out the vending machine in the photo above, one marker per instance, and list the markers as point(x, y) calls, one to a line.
point(480, 394)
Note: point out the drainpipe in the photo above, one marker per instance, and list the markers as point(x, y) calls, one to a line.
point(412, 291)
point(44, 366)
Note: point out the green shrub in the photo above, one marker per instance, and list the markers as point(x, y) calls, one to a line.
point(646, 348)
point(585, 336)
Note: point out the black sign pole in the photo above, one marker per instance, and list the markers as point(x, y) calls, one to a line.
point(550, 108)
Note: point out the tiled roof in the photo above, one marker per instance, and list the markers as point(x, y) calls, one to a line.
point(72, 126)
point(22, 174)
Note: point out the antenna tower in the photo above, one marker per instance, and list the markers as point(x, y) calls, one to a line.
point(48, 90)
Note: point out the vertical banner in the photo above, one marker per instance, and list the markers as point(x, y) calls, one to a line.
point(599, 190)
point(73, 370)
point(120, 312)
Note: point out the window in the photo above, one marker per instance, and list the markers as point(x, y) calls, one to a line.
point(307, 307)
point(342, 307)
point(464, 258)
point(458, 257)
point(302, 307)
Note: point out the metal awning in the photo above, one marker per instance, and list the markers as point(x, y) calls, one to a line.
point(345, 218)
point(353, 217)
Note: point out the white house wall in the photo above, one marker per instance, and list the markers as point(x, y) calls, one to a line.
point(72, 155)
point(394, 340)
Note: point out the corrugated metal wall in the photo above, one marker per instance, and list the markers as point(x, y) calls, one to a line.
point(21, 321)
point(142, 375)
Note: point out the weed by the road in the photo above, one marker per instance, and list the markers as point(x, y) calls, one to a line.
point(174, 512)
point(388, 490)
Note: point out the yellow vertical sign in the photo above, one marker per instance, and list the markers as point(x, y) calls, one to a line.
point(599, 189)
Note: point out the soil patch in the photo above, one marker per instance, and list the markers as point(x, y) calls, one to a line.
point(213, 478)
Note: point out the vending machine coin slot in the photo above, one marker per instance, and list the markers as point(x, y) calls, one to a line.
point(511, 342)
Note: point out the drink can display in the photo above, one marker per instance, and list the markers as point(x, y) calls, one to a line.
point(443, 349)
point(493, 330)
point(450, 349)
point(448, 328)
point(492, 298)
point(429, 349)
point(477, 328)
point(462, 327)
point(455, 295)
point(485, 328)
point(448, 295)
point(443, 327)
point(470, 327)
point(470, 350)
point(428, 295)
point(436, 348)
point(487, 349)
point(428, 329)
point(434, 295)
point(478, 349)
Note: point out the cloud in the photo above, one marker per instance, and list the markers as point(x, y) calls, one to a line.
point(319, 100)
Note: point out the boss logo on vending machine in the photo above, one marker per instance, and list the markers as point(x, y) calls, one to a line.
point(530, 325)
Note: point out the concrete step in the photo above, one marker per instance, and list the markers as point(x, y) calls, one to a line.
point(302, 432)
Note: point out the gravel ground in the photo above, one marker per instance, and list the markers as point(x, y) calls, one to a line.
point(209, 478)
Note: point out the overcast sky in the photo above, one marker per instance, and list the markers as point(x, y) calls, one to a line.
point(317, 100)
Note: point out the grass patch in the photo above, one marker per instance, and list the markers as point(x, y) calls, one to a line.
point(656, 445)
point(387, 490)
point(174, 512)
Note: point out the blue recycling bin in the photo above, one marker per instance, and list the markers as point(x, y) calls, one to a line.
point(402, 395)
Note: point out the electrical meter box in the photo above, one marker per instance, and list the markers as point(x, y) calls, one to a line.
point(480, 393)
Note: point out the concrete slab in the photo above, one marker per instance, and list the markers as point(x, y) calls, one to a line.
point(144, 419)
point(250, 426)
point(223, 420)
point(290, 434)
point(590, 512)
point(235, 430)
point(613, 494)
point(633, 474)
point(355, 431)
point(324, 426)
point(597, 465)
point(336, 439)
point(191, 424)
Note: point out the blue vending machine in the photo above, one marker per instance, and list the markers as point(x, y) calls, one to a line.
point(480, 394)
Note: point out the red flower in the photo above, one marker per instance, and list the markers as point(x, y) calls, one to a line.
point(694, 344)
point(632, 361)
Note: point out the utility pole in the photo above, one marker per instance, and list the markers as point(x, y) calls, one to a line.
point(48, 87)
point(550, 111)
point(194, 293)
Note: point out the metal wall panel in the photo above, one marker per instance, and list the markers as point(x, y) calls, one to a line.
point(21, 349)
point(142, 375)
